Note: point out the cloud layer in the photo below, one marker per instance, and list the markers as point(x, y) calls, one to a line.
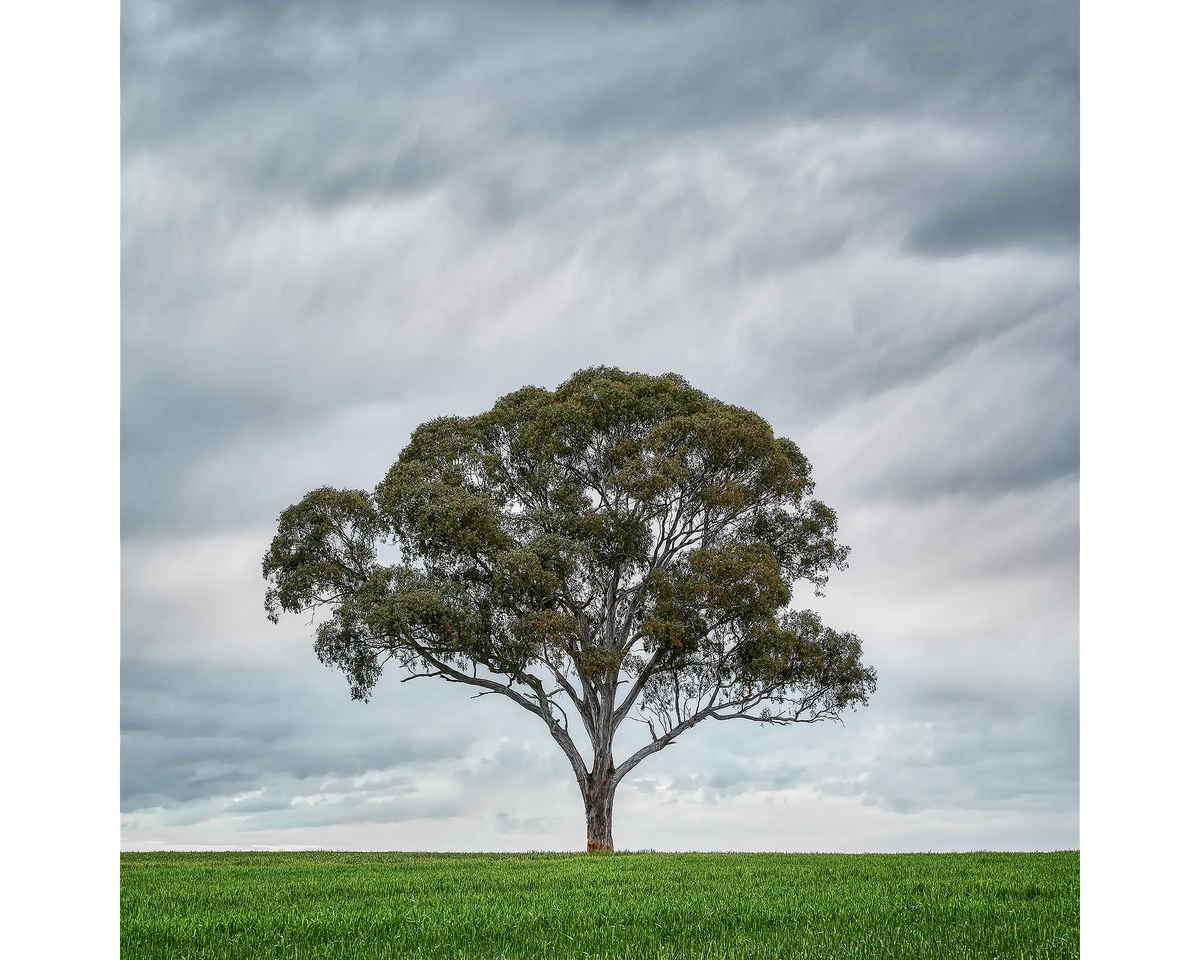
point(341, 220)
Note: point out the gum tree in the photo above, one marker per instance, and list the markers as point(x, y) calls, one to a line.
point(622, 548)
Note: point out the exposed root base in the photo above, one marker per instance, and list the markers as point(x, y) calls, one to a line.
point(595, 846)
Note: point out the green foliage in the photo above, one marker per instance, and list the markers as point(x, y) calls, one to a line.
point(623, 528)
point(222, 906)
point(323, 550)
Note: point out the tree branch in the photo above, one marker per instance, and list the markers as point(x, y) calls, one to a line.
point(541, 709)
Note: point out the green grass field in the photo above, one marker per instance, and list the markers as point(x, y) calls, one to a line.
point(628, 905)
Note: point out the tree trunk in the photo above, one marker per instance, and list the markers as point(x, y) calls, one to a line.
point(598, 804)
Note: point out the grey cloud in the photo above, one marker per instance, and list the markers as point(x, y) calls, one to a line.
point(980, 755)
point(272, 747)
point(335, 105)
point(277, 806)
point(193, 729)
point(1038, 209)
point(733, 777)
point(1020, 433)
point(1007, 735)
point(952, 745)
point(515, 114)
point(170, 441)
point(978, 413)
point(896, 337)
point(525, 826)
point(341, 220)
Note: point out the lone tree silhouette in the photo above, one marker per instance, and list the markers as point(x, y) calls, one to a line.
point(624, 546)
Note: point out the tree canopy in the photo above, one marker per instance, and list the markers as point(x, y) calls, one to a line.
point(622, 546)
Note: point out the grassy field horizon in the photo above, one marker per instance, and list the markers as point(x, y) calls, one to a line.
point(629, 904)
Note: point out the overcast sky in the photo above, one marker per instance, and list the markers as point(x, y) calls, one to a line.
point(859, 219)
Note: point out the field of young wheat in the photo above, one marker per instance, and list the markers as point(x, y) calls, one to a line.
point(709, 906)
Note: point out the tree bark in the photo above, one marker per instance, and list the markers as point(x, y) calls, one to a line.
point(598, 805)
